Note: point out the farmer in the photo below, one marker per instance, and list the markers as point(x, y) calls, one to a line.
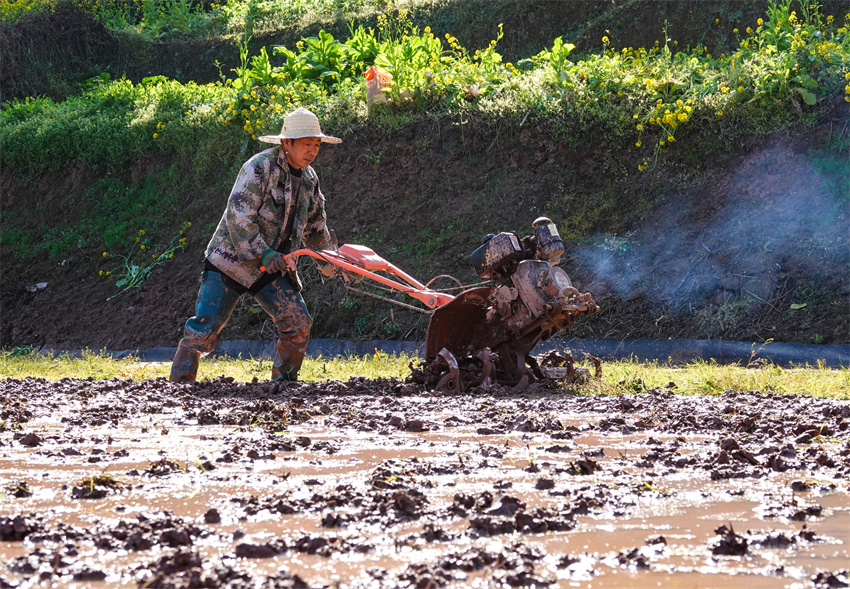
point(275, 205)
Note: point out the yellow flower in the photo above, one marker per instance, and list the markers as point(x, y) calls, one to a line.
point(734, 30)
point(105, 255)
point(749, 30)
point(101, 272)
point(143, 248)
point(670, 138)
point(427, 30)
point(637, 144)
point(634, 116)
point(639, 127)
point(188, 223)
point(640, 168)
point(661, 143)
point(760, 22)
point(717, 21)
point(740, 88)
point(605, 41)
point(155, 135)
point(719, 113)
point(141, 231)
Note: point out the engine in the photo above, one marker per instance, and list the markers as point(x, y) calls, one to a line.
point(531, 300)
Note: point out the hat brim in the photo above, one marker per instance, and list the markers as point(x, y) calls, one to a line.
point(276, 138)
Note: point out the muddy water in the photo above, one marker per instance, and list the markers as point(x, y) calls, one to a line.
point(379, 484)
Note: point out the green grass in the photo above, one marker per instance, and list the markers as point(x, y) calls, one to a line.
point(622, 377)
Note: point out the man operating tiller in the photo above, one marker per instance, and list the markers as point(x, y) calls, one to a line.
point(275, 207)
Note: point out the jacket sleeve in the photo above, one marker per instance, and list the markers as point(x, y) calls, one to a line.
point(316, 234)
point(242, 211)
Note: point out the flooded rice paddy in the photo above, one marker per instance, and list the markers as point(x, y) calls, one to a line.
point(378, 484)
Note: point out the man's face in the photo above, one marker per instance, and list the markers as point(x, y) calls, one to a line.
point(300, 153)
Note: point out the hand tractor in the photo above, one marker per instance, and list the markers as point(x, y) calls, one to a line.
point(485, 334)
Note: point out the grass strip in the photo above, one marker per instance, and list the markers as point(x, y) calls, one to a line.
point(621, 377)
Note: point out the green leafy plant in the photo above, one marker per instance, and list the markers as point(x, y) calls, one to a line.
point(135, 268)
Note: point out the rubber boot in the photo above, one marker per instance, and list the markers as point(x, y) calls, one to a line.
point(213, 308)
point(184, 367)
point(284, 304)
point(288, 360)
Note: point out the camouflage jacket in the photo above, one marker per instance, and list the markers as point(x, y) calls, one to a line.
point(257, 214)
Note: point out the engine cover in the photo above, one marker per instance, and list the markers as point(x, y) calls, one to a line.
point(542, 287)
point(496, 252)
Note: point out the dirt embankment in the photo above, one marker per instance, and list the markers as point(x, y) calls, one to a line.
point(746, 242)
point(380, 484)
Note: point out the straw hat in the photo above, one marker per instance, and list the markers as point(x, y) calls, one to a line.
point(300, 123)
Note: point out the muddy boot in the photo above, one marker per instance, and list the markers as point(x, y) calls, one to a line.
point(290, 355)
point(184, 367)
point(284, 304)
point(213, 307)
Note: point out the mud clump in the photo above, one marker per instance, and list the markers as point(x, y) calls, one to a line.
point(384, 484)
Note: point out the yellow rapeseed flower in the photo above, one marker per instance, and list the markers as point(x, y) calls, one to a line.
point(670, 138)
point(637, 144)
point(661, 143)
point(155, 135)
point(639, 127)
point(719, 113)
point(740, 88)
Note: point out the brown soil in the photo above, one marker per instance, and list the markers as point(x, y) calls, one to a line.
point(720, 246)
point(381, 484)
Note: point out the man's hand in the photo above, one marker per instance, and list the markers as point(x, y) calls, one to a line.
point(275, 263)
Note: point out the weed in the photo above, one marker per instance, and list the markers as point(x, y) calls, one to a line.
point(135, 268)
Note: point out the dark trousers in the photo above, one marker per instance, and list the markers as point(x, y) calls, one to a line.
point(213, 308)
